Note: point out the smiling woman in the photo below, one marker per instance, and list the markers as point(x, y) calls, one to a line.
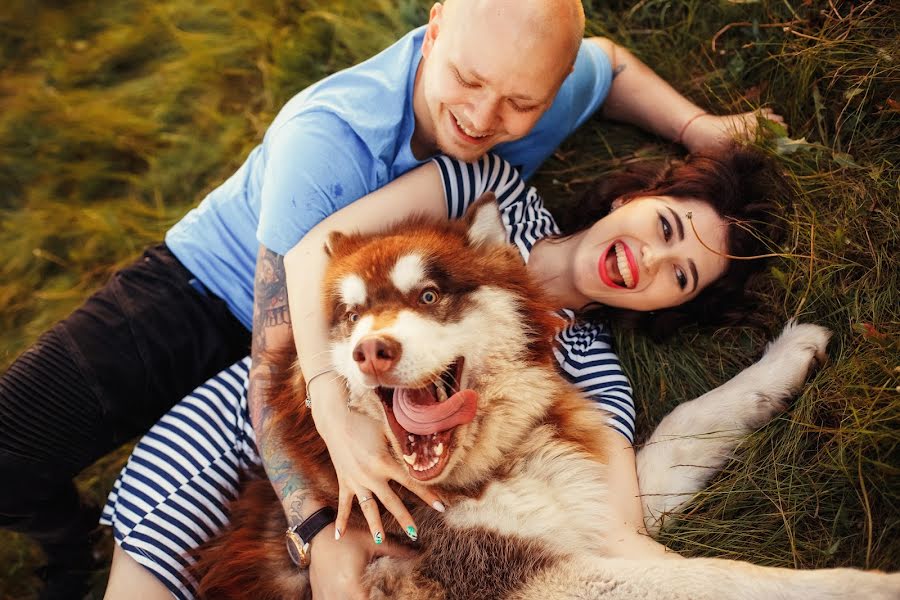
point(649, 248)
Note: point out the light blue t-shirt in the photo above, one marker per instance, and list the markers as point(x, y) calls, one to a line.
point(333, 143)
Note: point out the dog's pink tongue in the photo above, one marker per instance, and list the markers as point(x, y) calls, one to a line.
point(418, 413)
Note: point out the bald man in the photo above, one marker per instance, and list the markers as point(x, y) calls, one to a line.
point(512, 75)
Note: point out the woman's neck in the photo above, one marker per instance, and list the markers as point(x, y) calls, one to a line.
point(550, 264)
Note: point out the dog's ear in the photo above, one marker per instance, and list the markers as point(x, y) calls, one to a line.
point(334, 243)
point(340, 244)
point(484, 224)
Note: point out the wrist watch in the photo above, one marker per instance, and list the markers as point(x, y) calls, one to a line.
point(298, 537)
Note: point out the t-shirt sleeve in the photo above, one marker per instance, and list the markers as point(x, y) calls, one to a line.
point(465, 182)
point(585, 355)
point(315, 165)
point(591, 81)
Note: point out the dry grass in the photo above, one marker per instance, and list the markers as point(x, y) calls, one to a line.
point(115, 117)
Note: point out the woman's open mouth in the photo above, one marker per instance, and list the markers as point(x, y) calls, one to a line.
point(617, 266)
point(423, 419)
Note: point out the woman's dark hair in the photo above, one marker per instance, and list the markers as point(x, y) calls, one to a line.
point(737, 183)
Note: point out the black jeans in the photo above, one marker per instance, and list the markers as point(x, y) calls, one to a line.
point(99, 378)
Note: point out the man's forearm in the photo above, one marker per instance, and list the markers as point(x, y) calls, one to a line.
point(641, 97)
point(272, 332)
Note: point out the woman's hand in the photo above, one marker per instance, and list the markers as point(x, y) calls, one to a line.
point(363, 464)
point(336, 568)
point(711, 132)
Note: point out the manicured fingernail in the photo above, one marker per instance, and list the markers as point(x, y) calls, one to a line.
point(337, 533)
point(378, 538)
point(411, 532)
point(438, 506)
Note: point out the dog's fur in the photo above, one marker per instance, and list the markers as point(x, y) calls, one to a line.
point(525, 480)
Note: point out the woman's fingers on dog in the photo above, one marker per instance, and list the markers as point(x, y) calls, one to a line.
point(394, 505)
point(369, 506)
point(345, 505)
point(424, 492)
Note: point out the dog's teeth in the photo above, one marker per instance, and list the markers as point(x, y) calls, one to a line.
point(410, 458)
point(439, 449)
point(411, 438)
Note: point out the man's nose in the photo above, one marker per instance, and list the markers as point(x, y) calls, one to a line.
point(484, 112)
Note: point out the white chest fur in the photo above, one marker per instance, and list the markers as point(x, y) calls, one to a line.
point(555, 493)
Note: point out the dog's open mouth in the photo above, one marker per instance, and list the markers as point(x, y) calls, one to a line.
point(423, 419)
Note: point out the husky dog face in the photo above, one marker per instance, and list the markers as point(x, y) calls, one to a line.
point(423, 319)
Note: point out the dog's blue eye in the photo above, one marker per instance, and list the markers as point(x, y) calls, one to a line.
point(428, 296)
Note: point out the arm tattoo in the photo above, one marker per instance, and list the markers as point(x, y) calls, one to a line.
point(296, 515)
point(271, 320)
point(270, 304)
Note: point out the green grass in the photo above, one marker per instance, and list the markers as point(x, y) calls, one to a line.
point(117, 116)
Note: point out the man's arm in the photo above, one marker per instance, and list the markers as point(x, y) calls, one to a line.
point(641, 97)
point(272, 331)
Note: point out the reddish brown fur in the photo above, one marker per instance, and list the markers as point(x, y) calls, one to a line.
point(249, 560)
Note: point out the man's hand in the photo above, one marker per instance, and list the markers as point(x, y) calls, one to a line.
point(336, 568)
point(709, 133)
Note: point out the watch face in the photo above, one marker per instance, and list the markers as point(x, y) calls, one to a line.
point(295, 548)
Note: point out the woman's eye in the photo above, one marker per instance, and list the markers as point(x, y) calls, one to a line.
point(681, 277)
point(353, 317)
point(667, 229)
point(428, 296)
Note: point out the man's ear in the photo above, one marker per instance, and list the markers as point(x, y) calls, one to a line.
point(433, 29)
point(484, 224)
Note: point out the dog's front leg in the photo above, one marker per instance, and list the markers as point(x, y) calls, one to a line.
point(694, 440)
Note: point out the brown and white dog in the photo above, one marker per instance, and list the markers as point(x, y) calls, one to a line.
point(442, 337)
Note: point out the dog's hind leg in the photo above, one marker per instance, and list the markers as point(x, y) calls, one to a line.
point(703, 579)
point(698, 437)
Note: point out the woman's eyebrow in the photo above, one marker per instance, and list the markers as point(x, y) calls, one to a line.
point(679, 225)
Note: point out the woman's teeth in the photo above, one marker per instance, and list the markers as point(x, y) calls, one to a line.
point(468, 131)
point(624, 267)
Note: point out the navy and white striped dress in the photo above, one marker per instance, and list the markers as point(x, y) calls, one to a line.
point(173, 493)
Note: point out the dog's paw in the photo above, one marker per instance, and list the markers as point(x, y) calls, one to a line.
point(800, 340)
point(791, 357)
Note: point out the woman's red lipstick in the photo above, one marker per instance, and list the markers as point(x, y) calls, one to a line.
point(632, 265)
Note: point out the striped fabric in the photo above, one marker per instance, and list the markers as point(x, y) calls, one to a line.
point(584, 349)
point(173, 493)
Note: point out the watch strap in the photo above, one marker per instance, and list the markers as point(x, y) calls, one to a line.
point(313, 524)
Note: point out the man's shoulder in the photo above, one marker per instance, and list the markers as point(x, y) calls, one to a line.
point(368, 99)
